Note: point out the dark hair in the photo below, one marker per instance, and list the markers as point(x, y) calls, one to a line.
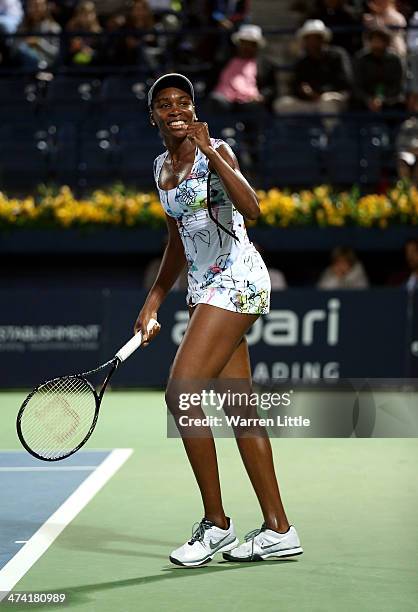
point(381, 32)
point(343, 252)
point(413, 241)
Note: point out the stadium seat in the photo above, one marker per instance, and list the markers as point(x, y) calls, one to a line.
point(18, 97)
point(72, 98)
point(24, 156)
point(124, 99)
point(290, 156)
point(138, 148)
point(342, 155)
point(374, 149)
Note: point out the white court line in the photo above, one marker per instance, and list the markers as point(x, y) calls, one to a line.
point(42, 539)
point(52, 468)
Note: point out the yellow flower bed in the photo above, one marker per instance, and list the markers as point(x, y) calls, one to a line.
point(320, 206)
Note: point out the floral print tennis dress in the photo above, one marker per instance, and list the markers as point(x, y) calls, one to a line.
point(223, 270)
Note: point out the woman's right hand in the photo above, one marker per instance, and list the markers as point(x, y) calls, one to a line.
point(141, 325)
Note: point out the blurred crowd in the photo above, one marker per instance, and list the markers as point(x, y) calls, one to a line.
point(359, 55)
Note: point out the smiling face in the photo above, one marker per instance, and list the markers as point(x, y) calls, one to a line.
point(173, 111)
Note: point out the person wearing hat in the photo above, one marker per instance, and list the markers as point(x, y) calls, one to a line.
point(378, 74)
point(205, 199)
point(322, 76)
point(247, 79)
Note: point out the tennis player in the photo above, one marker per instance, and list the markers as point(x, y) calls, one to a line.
point(228, 289)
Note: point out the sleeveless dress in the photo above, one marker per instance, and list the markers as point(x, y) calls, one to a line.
point(222, 271)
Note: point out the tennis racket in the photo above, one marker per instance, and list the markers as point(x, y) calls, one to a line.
point(59, 416)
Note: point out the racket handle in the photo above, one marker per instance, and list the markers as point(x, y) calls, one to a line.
point(134, 343)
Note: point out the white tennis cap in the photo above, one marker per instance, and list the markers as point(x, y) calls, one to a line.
point(173, 79)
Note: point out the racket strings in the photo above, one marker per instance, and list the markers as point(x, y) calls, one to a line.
point(58, 416)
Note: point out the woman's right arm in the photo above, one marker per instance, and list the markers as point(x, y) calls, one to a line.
point(172, 263)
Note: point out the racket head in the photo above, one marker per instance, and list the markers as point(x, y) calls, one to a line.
point(58, 417)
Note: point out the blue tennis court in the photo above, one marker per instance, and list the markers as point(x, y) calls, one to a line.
point(32, 491)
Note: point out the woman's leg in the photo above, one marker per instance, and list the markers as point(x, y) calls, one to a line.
point(208, 344)
point(256, 451)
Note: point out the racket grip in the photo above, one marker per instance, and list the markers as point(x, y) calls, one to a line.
point(134, 343)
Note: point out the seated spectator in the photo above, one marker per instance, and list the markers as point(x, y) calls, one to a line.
point(246, 85)
point(83, 48)
point(228, 14)
point(345, 271)
point(378, 74)
point(407, 144)
point(139, 46)
point(247, 81)
point(62, 10)
point(383, 13)
point(112, 39)
point(225, 16)
point(43, 49)
point(11, 14)
point(335, 14)
point(411, 256)
point(322, 76)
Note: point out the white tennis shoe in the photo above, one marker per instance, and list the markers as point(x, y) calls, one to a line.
point(207, 540)
point(264, 543)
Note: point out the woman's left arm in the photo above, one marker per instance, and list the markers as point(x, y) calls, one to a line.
point(223, 162)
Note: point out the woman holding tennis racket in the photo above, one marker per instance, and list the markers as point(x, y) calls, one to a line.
point(205, 198)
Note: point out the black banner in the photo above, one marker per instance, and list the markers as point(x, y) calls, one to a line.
point(308, 334)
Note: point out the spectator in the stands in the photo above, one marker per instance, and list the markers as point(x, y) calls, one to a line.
point(225, 16)
point(83, 49)
point(336, 14)
point(11, 14)
point(246, 85)
point(247, 81)
point(322, 76)
point(411, 256)
point(62, 10)
point(139, 46)
point(378, 74)
point(407, 144)
point(112, 40)
point(43, 49)
point(228, 14)
point(383, 13)
point(344, 272)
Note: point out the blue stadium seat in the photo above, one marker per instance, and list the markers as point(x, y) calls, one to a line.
point(342, 155)
point(71, 98)
point(64, 164)
point(124, 99)
point(374, 149)
point(290, 156)
point(24, 156)
point(138, 148)
point(18, 97)
point(97, 164)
